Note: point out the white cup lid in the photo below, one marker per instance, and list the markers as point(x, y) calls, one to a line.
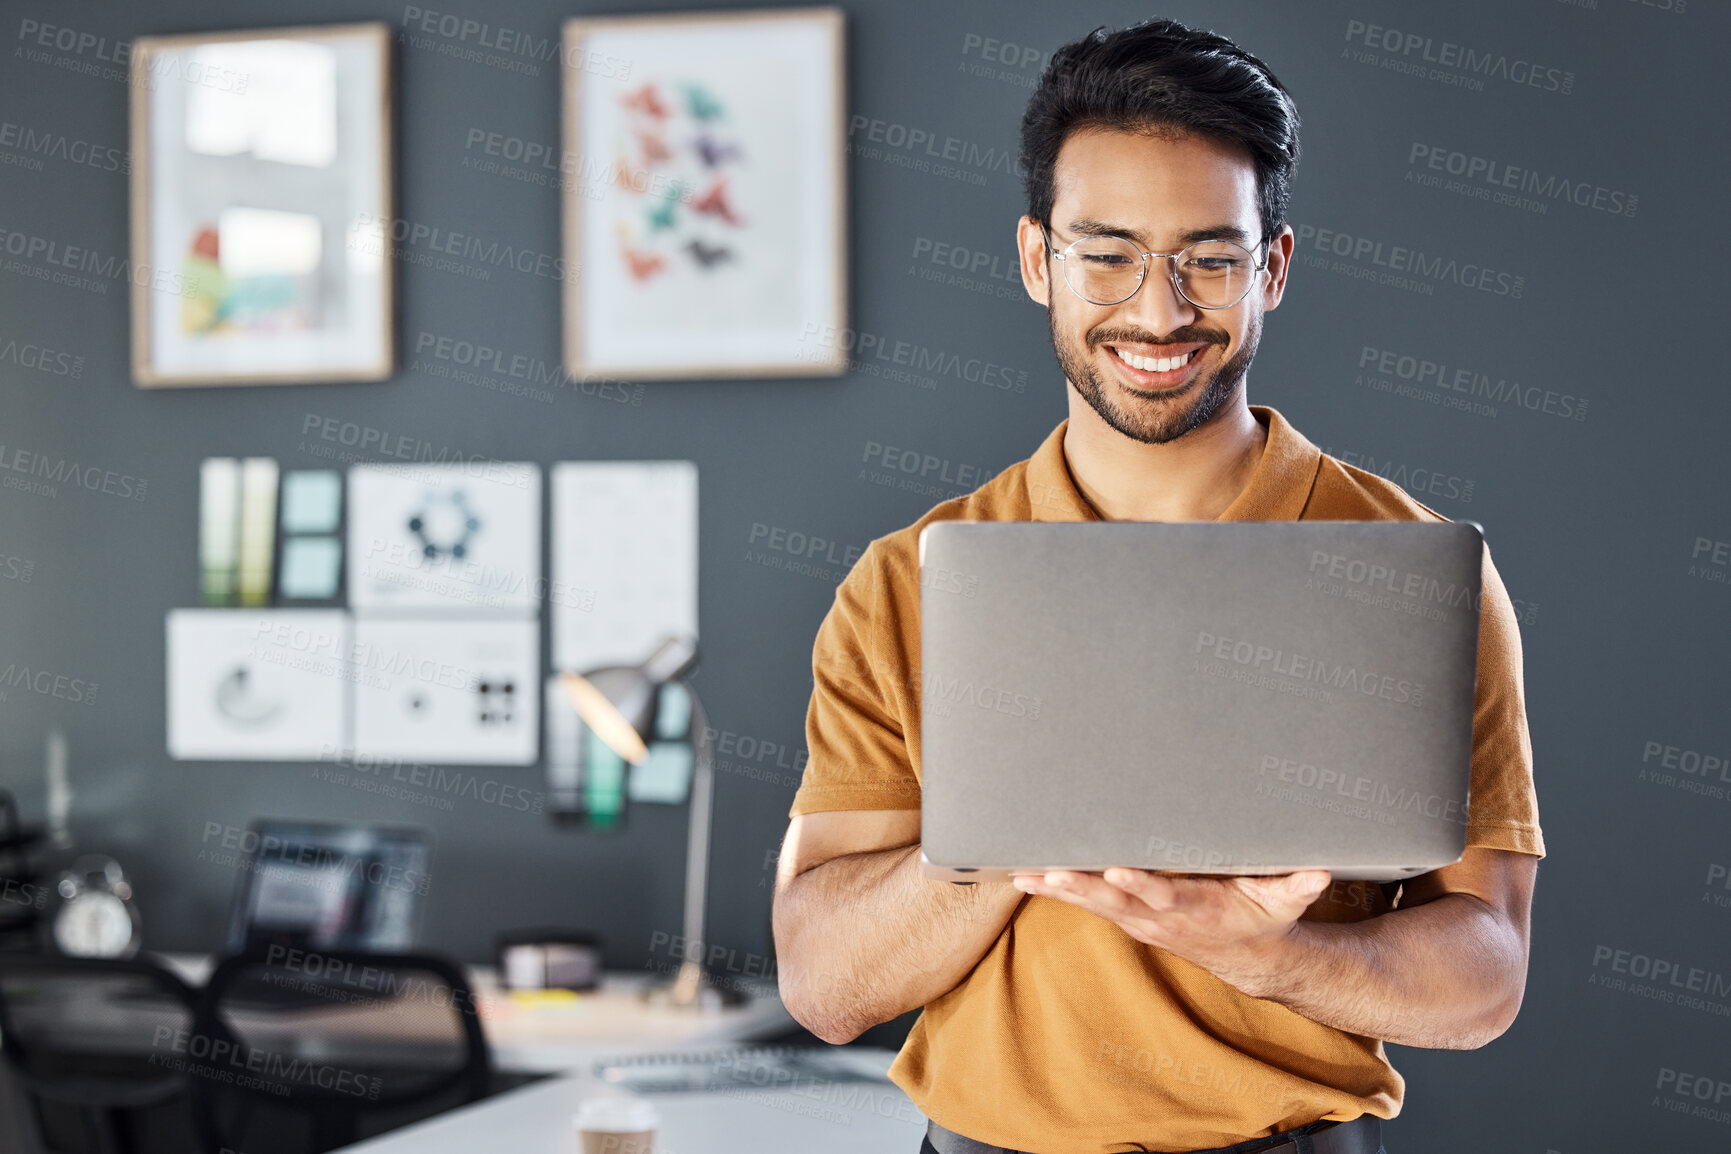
point(616, 1114)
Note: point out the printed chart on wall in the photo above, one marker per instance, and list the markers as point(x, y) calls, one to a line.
point(704, 202)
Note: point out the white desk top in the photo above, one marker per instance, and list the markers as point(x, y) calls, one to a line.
point(555, 1035)
point(843, 1118)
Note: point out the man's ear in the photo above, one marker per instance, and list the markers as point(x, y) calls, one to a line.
point(1280, 251)
point(1035, 264)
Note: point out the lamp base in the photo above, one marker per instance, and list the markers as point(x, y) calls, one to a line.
point(692, 989)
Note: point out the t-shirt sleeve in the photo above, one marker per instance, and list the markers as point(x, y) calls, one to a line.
point(1503, 809)
point(858, 753)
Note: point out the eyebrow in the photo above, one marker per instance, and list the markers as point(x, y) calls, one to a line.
point(1089, 227)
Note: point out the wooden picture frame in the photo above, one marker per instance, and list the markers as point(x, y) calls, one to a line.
point(261, 214)
point(704, 195)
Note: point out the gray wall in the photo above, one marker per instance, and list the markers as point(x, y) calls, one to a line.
point(1603, 522)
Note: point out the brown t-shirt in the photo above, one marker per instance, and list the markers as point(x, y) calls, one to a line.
point(1069, 1036)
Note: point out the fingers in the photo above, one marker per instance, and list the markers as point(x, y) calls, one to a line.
point(1309, 884)
point(1089, 891)
point(1286, 895)
point(1153, 890)
point(1122, 893)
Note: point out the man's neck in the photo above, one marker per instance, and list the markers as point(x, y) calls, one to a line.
point(1194, 478)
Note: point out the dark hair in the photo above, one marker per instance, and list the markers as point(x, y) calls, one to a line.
point(1156, 75)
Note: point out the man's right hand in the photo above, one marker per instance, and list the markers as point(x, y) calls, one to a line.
point(860, 936)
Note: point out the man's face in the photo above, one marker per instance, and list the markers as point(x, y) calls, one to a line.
point(1162, 192)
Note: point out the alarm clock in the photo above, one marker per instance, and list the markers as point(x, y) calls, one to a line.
point(96, 917)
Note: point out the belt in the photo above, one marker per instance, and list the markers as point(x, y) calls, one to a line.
point(1362, 1135)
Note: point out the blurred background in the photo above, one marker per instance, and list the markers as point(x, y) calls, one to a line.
point(1533, 361)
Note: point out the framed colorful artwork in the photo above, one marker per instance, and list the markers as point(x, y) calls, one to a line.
point(704, 194)
point(261, 196)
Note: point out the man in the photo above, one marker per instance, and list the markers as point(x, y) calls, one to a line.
point(1131, 1010)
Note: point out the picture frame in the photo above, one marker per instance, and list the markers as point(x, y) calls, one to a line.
point(704, 194)
point(262, 193)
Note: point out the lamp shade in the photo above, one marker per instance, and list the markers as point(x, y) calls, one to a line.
point(619, 702)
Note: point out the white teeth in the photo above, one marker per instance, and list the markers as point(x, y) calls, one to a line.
point(1154, 364)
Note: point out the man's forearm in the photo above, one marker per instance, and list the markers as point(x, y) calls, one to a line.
point(863, 938)
point(1448, 974)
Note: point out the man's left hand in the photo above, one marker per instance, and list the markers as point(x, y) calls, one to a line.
point(1234, 927)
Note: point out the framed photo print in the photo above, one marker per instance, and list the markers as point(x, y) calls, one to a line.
point(261, 199)
point(704, 199)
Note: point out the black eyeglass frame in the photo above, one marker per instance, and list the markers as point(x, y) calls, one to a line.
point(1142, 276)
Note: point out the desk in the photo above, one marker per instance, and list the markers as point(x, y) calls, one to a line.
point(844, 1118)
point(553, 1038)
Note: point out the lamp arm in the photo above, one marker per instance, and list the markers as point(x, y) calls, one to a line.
point(690, 977)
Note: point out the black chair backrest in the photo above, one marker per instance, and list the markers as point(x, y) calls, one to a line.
point(334, 1045)
point(94, 1045)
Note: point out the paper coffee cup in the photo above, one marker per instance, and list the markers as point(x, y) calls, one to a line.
point(616, 1126)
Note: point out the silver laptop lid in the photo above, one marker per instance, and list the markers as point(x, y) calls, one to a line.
point(1241, 697)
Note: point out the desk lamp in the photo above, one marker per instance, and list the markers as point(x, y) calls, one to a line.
point(619, 704)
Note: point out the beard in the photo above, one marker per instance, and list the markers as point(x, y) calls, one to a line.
point(1154, 420)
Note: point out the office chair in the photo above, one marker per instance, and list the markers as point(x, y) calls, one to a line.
point(319, 1049)
point(95, 1045)
point(23, 894)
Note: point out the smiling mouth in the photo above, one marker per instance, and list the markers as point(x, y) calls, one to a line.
point(1145, 364)
point(1149, 367)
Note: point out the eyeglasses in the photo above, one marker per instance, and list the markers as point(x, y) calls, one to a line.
point(1108, 270)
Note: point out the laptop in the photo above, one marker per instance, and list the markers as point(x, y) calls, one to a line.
point(330, 886)
point(1205, 698)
